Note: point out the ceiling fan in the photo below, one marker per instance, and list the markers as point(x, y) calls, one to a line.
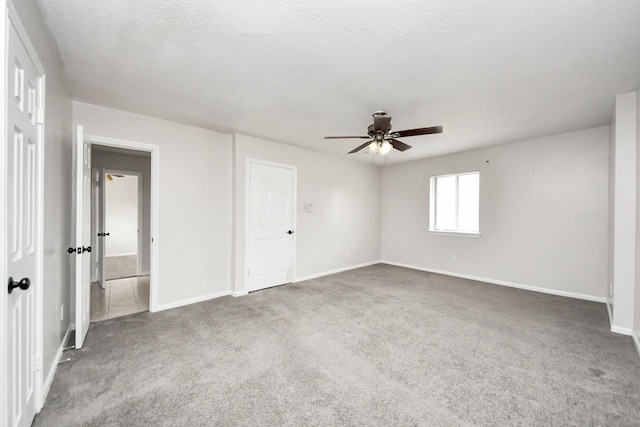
point(380, 137)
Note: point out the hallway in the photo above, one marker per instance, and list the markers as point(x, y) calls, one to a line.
point(120, 297)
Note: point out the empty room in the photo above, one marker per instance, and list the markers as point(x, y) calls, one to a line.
point(335, 213)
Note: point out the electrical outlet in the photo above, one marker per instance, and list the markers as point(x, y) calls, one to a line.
point(62, 312)
point(454, 257)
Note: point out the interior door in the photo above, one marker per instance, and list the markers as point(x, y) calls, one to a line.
point(98, 233)
point(83, 235)
point(271, 220)
point(102, 242)
point(23, 198)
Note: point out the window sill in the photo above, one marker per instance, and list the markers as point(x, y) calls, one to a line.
point(454, 234)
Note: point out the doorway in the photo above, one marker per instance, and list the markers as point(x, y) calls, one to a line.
point(120, 229)
point(120, 284)
point(130, 154)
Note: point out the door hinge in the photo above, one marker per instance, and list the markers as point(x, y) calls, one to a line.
point(38, 363)
point(40, 116)
point(248, 272)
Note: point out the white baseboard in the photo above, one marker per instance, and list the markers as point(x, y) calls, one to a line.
point(622, 331)
point(52, 372)
point(189, 301)
point(122, 254)
point(502, 283)
point(239, 293)
point(337, 270)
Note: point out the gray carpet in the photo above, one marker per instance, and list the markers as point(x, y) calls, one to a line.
point(380, 345)
point(119, 267)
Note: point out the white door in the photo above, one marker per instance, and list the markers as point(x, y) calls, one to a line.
point(83, 235)
point(271, 225)
point(102, 220)
point(23, 197)
point(98, 229)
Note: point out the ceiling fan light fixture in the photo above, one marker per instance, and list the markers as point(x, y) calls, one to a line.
point(373, 147)
point(385, 147)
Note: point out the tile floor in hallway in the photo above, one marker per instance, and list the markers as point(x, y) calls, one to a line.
point(119, 298)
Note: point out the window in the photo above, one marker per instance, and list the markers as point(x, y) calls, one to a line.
point(454, 204)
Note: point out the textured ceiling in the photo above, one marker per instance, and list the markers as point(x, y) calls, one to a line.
point(295, 71)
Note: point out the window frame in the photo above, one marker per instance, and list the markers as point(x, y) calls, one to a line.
point(432, 206)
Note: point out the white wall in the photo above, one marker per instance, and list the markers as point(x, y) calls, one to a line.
point(57, 187)
point(344, 228)
point(142, 165)
point(543, 214)
point(121, 215)
point(195, 199)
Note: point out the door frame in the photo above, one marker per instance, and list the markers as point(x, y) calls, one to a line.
point(247, 224)
point(105, 171)
point(11, 15)
point(154, 150)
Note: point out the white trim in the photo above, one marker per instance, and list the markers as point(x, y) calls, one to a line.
point(194, 300)
point(49, 380)
point(622, 331)
point(122, 254)
point(247, 207)
point(335, 271)
point(239, 293)
point(453, 233)
point(154, 282)
point(636, 341)
point(502, 283)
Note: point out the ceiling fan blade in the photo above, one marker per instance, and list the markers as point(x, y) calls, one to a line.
point(381, 123)
point(398, 145)
point(355, 150)
point(345, 137)
point(416, 132)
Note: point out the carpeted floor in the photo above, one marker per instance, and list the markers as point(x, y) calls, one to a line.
point(119, 267)
point(379, 345)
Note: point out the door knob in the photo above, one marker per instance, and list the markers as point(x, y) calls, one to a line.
point(290, 232)
point(72, 250)
point(22, 284)
point(85, 249)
